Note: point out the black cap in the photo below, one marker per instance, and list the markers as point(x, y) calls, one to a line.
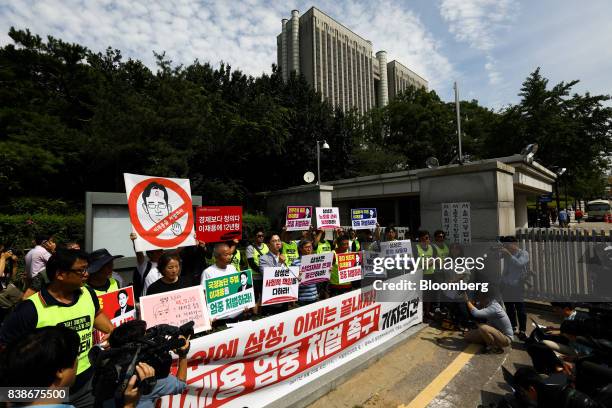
point(99, 258)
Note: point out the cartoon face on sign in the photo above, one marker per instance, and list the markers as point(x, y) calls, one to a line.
point(156, 206)
point(161, 311)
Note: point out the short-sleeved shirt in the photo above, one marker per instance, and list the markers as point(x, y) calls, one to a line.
point(213, 271)
point(160, 286)
point(36, 260)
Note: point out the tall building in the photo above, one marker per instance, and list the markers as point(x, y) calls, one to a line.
point(339, 63)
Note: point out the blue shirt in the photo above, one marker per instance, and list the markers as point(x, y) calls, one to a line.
point(166, 386)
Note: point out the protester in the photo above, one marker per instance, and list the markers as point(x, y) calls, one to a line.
point(321, 245)
point(65, 300)
point(453, 298)
point(222, 267)
point(425, 252)
point(33, 285)
point(273, 258)
point(496, 332)
point(170, 267)
point(147, 271)
point(390, 233)
point(439, 244)
point(354, 244)
point(579, 214)
point(193, 262)
point(100, 272)
point(134, 331)
point(290, 247)
point(253, 253)
point(516, 261)
point(37, 257)
point(336, 288)
point(307, 293)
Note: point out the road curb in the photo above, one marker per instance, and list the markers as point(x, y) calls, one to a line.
point(316, 389)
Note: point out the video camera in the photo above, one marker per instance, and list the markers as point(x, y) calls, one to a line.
point(114, 367)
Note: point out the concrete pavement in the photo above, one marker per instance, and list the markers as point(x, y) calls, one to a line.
point(434, 368)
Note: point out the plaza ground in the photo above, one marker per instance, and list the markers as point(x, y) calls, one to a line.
point(434, 368)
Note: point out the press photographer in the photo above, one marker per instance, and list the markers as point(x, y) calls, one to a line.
point(130, 344)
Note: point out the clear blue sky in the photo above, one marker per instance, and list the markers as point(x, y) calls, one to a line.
point(488, 46)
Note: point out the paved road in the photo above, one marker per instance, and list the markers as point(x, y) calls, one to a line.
point(434, 368)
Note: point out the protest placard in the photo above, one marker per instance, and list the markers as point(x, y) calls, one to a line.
point(229, 293)
point(176, 308)
point(299, 218)
point(368, 258)
point(315, 268)
point(363, 218)
point(118, 306)
point(216, 224)
point(349, 267)
point(280, 284)
point(160, 210)
point(328, 217)
point(392, 248)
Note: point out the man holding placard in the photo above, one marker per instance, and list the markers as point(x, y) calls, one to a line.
point(274, 258)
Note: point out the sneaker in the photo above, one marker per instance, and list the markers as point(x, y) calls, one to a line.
point(522, 336)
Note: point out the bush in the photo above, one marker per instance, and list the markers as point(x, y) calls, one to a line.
point(251, 221)
point(18, 231)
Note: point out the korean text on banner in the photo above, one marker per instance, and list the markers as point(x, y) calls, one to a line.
point(388, 249)
point(280, 285)
point(258, 363)
point(349, 267)
point(176, 308)
point(230, 293)
point(216, 224)
point(118, 306)
point(299, 218)
point(160, 211)
point(368, 270)
point(328, 217)
point(363, 218)
point(315, 268)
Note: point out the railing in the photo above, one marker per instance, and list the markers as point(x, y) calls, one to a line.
point(565, 264)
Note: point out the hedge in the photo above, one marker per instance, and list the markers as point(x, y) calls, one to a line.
point(18, 231)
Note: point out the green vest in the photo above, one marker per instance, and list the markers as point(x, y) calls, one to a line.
point(114, 285)
point(79, 317)
point(357, 245)
point(290, 250)
point(236, 259)
point(334, 278)
point(443, 251)
point(425, 254)
point(323, 247)
point(264, 250)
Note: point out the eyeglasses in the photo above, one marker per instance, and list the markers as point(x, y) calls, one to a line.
point(80, 271)
point(153, 206)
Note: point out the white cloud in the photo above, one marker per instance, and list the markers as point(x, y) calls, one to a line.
point(479, 23)
point(241, 33)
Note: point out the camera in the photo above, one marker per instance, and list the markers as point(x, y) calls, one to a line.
point(114, 367)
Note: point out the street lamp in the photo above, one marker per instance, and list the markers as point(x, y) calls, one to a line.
point(559, 171)
point(319, 147)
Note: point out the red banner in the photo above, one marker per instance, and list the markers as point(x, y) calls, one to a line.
point(216, 224)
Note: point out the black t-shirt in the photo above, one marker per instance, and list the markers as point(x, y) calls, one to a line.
point(159, 286)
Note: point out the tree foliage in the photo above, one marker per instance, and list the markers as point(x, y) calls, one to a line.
point(74, 120)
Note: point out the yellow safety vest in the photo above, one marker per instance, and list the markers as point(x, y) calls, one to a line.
point(443, 251)
point(323, 247)
point(256, 254)
point(425, 254)
point(334, 277)
point(79, 317)
point(114, 285)
point(290, 250)
point(236, 260)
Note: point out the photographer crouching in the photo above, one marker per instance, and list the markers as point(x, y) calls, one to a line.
point(130, 344)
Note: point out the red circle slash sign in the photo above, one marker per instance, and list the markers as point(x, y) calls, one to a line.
point(152, 235)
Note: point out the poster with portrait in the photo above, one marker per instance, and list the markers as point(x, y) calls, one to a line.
point(349, 267)
point(118, 306)
point(161, 211)
point(363, 218)
point(229, 293)
point(299, 218)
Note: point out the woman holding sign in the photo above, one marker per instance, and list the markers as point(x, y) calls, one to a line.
point(170, 267)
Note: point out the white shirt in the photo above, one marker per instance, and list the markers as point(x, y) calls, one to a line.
point(214, 271)
point(152, 276)
point(36, 260)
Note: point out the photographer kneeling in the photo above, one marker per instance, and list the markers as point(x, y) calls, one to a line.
point(496, 333)
point(145, 346)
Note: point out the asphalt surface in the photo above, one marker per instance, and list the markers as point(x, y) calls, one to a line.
point(434, 368)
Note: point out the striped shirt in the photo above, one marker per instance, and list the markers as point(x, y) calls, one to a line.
point(307, 293)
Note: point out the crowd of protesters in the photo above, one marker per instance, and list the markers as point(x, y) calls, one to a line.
point(60, 284)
